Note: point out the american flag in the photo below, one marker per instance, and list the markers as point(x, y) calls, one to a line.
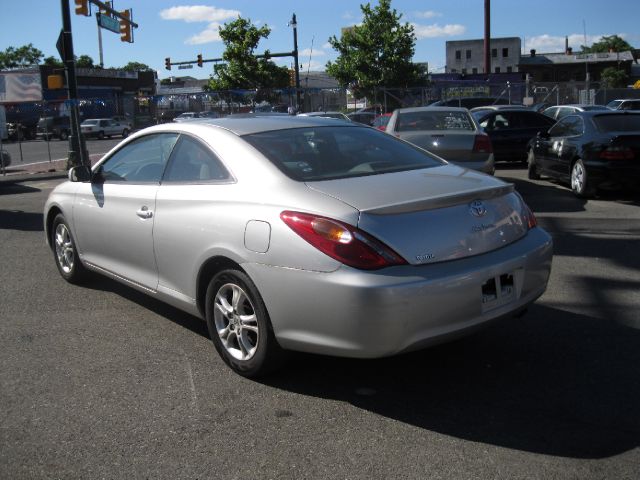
point(20, 87)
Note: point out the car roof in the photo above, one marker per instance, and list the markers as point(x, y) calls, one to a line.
point(431, 109)
point(249, 124)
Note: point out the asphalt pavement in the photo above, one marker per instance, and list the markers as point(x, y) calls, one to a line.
point(100, 381)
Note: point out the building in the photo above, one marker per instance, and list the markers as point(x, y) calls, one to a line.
point(568, 66)
point(467, 56)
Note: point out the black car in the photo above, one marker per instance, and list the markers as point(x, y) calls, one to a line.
point(510, 130)
point(58, 127)
point(590, 150)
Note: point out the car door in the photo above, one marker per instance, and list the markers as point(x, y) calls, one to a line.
point(561, 145)
point(498, 126)
point(114, 214)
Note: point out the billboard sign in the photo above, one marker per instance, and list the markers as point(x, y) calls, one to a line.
point(17, 87)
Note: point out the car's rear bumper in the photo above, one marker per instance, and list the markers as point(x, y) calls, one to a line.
point(373, 314)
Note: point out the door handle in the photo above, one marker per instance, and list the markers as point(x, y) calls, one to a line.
point(144, 212)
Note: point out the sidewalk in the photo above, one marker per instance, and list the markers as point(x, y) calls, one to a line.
point(44, 170)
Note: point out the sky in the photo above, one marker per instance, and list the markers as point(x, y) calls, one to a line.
point(182, 29)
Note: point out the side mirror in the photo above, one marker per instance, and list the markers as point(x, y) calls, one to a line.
point(81, 173)
point(544, 135)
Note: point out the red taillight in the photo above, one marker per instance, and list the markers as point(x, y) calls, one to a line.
point(616, 153)
point(482, 144)
point(532, 221)
point(341, 241)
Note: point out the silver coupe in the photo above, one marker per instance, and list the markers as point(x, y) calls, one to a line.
point(301, 233)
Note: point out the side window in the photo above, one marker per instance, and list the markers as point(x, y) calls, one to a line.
point(575, 126)
point(141, 161)
point(500, 121)
point(194, 162)
point(560, 129)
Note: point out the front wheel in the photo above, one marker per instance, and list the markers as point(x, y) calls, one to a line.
point(65, 252)
point(580, 180)
point(532, 168)
point(125, 133)
point(239, 325)
point(100, 135)
point(64, 135)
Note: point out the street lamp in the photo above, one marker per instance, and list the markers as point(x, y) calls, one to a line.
point(294, 24)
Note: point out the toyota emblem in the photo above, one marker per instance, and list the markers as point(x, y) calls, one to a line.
point(477, 208)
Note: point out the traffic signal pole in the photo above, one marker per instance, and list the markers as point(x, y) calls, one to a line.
point(78, 154)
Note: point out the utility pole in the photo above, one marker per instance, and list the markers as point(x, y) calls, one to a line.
point(78, 154)
point(294, 24)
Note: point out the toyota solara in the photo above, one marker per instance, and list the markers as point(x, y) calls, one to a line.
point(301, 233)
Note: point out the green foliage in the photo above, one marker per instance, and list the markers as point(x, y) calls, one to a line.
point(376, 53)
point(241, 69)
point(84, 61)
point(53, 62)
point(24, 56)
point(614, 78)
point(136, 66)
point(612, 43)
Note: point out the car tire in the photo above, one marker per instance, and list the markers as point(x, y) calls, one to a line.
point(532, 168)
point(239, 325)
point(125, 133)
point(100, 135)
point(580, 180)
point(65, 252)
point(64, 135)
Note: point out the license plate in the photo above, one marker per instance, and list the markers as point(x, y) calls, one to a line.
point(498, 291)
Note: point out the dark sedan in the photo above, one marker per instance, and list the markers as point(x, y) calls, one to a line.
point(510, 130)
point(590, 150)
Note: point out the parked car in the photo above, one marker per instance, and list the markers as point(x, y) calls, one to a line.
point(449, 132)
point(53, 127)
point(185, 116)
point(103, 127)
point(365, 118)
point(301, 234)
point(123, 121)
point(590, 150)
point(336, 115)
point(381, 121)
point(624, 104)
point(510, 130)
point(470, 102)
point(560, 111)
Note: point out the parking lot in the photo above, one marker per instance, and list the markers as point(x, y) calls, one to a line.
point(101, 381)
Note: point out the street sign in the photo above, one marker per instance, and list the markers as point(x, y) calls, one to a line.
point(60, 46)
point(108, 22)
point(184, 67)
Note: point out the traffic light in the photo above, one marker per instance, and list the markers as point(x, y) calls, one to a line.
point(167, 63)
point(292, 77)
point(200, 60)
point(104, 12)
point(82, 7)
point(125, 27)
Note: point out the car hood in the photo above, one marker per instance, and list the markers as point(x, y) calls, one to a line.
point(435, 214)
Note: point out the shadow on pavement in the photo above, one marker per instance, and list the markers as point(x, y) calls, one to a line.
point(13, 188)
point(19, 220)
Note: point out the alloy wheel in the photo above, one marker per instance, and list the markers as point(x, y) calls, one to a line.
point(236, 322)
point(64, 248)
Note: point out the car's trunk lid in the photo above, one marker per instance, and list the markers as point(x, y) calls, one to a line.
point(433, 215)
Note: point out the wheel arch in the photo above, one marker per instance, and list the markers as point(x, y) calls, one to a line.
point(207, 271)
point(51, 215)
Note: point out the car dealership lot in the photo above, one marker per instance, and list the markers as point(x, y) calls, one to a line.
point(101, 381)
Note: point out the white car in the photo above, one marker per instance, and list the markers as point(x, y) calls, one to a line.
point(103, 127)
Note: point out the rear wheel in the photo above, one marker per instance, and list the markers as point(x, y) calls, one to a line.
point(125, 133)
point(64, 135)
point(239, 325)
point(100, 134)
point(65, 253)
point(580, 180)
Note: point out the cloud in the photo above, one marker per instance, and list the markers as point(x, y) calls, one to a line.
point(210, 34)
point(428, 14)
point(348, 16)
point(198, 13)
point(308, 52)
point(327, 46)
point(555, 43)
point(435, 30)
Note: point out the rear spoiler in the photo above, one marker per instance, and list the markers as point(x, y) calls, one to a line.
point(434, 203)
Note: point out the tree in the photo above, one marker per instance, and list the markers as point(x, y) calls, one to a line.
point(376, 53)
point(53, 62)
point(241, 69)
point(24, 56)
point(136, 66)
point(611, 43)
point(613, 77)
point(84, 61)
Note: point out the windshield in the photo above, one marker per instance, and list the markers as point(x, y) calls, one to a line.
point(434, 120)
point(617, 123)
point(614, 103)
point(322, 153)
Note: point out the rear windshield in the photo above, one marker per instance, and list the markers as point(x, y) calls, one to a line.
point(617, 123)
point(323, 153)
point(90, 122)
point(434, 120)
